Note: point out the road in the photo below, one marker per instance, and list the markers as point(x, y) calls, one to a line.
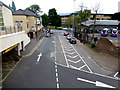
point(58, 64)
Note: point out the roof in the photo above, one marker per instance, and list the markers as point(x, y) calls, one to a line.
point(1, 4)
point(25, 12)
point(64, 14)
point(101, 23)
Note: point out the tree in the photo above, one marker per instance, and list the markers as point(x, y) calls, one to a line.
point(95, 9)
point(54, 19)
point(35, 9)
point(45, 20)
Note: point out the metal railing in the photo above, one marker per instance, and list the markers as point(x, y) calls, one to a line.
point(9, 30)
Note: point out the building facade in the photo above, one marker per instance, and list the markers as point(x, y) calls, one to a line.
point(29, 21)
point(10, 35)
point(65, 18)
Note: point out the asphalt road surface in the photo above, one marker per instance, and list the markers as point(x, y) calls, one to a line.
point(58, 64)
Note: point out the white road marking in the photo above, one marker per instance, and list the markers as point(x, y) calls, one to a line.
point(89, 57)
point(56, 63)
point(64, 52)
point(57, 79)
point(56, 74)
point(57, 85)
point(82, 60)
point(53, 41)
point(55, 66)
point(56, 70)
point(70, 53)
point(72, 56)
point(74, 61)
point(62, 65)
point(77, 68)
point(92, 73)
point(39, 56)
point(69, 50)
point(116, 74)
point(97, 83)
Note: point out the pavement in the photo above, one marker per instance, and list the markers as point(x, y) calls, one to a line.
point(33, 43)
point(106, 61)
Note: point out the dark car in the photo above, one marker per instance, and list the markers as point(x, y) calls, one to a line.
point(66, 33)
point(72, 41)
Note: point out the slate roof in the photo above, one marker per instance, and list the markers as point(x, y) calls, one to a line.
point(101, 23)
point(25, 12)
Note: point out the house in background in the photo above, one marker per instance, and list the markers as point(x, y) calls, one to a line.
point(29, 21)
point(11, 37)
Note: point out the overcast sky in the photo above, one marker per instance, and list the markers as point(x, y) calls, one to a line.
point(67, 6)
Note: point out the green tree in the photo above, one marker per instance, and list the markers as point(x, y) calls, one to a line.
point(45, 20)
point(54, 19)
point(82, 16)
point(35, 8)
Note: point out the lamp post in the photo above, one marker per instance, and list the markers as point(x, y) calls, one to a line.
point(73, 25)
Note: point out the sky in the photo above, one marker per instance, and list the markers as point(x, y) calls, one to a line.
point(67, 6)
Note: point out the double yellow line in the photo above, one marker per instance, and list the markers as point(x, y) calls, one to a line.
point(29, 54)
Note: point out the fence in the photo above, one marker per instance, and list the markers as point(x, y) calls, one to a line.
point(9, 30)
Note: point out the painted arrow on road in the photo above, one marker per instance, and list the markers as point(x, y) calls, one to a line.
point(39, 56)
point(97, 83)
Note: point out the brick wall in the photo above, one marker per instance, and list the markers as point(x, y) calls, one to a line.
point(107, 47)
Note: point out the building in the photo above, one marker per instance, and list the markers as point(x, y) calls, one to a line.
point(29, 21)
point(66, 16)
point(10, 36)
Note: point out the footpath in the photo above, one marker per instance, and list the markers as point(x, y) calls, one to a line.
point(106, 61)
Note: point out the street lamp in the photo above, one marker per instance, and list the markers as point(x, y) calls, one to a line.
point(73, 25)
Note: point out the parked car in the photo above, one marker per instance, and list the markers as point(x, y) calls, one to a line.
point(68, 37)
point(59, 28)
point(51, 32)
point(72, 41)
point(65, 28)
point(48, 35)
point(66, 33)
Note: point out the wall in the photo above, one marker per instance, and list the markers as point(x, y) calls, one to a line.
point(7, 17)
point(20, 18)
point(106, 46)
point(32, 22)
point(7, 41)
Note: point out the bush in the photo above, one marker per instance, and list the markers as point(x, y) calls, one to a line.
point(92, 46)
